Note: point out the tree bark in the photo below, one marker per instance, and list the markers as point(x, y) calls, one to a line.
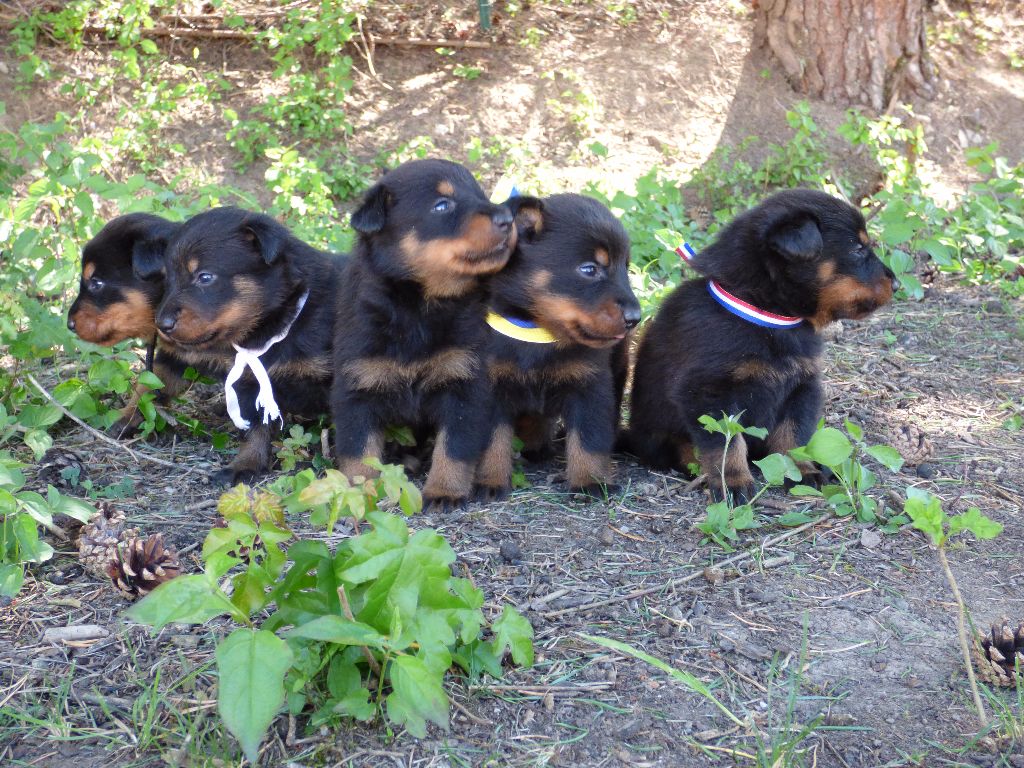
point(848, 51)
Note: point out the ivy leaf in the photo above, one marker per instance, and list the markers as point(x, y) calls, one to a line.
point(251, 665)
point(416, 697)
point(191, 599)
point(513, 631)
point(972, 520)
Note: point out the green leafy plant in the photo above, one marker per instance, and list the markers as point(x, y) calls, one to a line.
point(725, 518)
point(21, 514)
point(843, 455)
point(366, 631)
point(295, 448)
point(925, 510)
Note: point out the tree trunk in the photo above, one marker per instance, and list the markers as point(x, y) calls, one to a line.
point(848, 51)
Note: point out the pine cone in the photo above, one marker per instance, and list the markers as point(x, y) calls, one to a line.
point(912, 444)
point(61, 467)
point(97, 543)
point(141, 565)
point(995, 654)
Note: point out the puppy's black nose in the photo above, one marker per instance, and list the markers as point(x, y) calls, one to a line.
point(166, 322)
point(631, 316)
point(71, 324)
point(502, 219)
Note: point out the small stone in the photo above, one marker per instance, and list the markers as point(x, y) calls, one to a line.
point(658, 525)
point(914, 682)
point(714, 575)
point(665, 629)
point(879, 665)
point(926, 471)
point(870, 539)
point(699, 610)
point(549, 701)
point(510, 551)
point(607, 536)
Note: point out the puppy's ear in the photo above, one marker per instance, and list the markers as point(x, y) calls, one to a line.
point(796, 239)
point(148, 257)
point(372, 215)
point(267, 235)
point(529, 216)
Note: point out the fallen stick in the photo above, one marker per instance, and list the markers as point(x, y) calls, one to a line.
point(74, 632)
point(684, 579)
point(95, 432)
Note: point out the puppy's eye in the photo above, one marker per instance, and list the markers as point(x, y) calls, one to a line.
point(205, 278)
point(589, 269)
point(95, 285)
point(443, 205)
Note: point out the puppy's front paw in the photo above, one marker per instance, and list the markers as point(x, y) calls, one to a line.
point(486, 493)
point(740, 494)
point(123, 428)
point(443, 504)
point(231, 476)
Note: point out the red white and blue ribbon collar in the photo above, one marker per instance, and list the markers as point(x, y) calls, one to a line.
point(738, 306)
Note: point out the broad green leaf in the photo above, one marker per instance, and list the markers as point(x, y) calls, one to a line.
point(513, 631)
point(743, 517)
point(829, 446)
point(804, 490)
point(759, 432)
point(251, 665)
point(150, 380)
point(972, 520)
point(70, 506)
point(927, 517)
point(12, 576)
point(336, 629)
point(888, 457)
point(776, 468)
point(793, 519)
point(190, 599)
point(855, 432)
point(416, 697)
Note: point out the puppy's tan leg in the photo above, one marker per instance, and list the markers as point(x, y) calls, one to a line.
point(253, 457)
point(449, 480)
point(352, 466)
point(494, 472)
point(585, 469)
point(737, 472)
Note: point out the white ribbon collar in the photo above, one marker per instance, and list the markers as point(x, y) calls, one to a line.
point(250, 358)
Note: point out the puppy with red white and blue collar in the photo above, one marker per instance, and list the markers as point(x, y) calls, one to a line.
point(744, 338)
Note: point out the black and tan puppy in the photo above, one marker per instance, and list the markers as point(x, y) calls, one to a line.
point(120, 289)
point(410, 325)
point(744, 338)
point(121, 286)
point(560, 314)
point(240, 286)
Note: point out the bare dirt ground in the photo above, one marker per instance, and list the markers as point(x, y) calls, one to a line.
point(872, 613)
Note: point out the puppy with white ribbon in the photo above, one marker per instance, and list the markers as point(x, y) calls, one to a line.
point(250, 358)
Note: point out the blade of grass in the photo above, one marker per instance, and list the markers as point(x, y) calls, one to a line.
point(691, 682)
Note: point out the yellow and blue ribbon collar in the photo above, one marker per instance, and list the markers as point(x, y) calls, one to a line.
point(519, 329)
